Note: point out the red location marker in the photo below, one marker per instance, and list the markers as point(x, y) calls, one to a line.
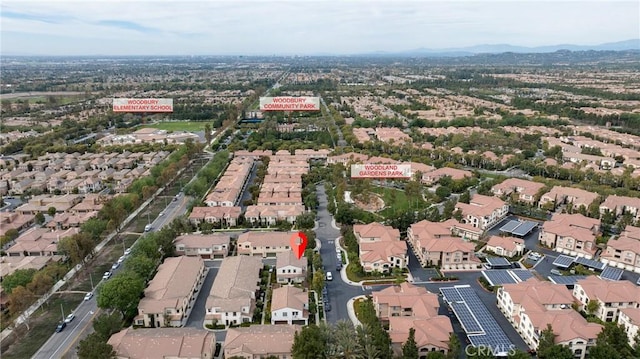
point(298, 244)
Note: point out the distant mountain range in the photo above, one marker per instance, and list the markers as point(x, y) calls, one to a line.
point(633, 44)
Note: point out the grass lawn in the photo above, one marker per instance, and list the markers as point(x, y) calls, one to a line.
point(43, 325)
point(190, 126)
point(353, 276)
point(356, 307)
point(395, 201)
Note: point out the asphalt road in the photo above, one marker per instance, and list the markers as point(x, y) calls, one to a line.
point(61, 343)
point(339, 291)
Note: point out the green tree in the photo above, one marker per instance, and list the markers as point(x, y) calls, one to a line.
point(593, 306)
point(21, 277)
point(436, 355)
point(122, 293)
point(548, 349)
point(77, 247)
point(318, 281)
point(39, 218)
point(410, 348)
point(465, 197)
point(519, 354)
point(52, 211)
point(94, 227)
point(207, 133)
point(95, 347)
point(454, 347)
point(614, 336)
point(309, 343)
point(141, 266)
point(443, 192)
point(306, 220)
point(107, 324)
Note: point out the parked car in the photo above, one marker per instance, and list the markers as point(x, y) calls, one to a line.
point(327, 307)
point(106, 275)
point(556, 272)
point(121, 259)
point(88, 296)
point(70, 318)
point(147, 228)
point(339, 266)
point(127, 251)
point(115, 266)
point(61, 327)
point(329, 276)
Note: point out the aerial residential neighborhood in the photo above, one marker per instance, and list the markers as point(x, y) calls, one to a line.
point(328, 193)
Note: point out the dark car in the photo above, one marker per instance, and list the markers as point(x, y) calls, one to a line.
point(327, 307)
point(338, 266)
point(61, 327)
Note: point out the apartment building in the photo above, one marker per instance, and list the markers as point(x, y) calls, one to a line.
point(290, 305)
point(260, 341)
point(380, 248)
point(532, 305)
point(270, 215)
point(521, 190)
point(174, 343)
point(434, 176)
point(224, 216)
point(290, 269)
point(505, 246)
point(434, 245)
point(171, 293)
point(559, 195)
point(233, 294)
point(572, 234)
point(483, 211)
point(40, 242)
point(612, 296)
point(408, 306)
point(629, 318)
point(621, 204)
point(347, 158)
point(230, 186)
point(264, 244)
point(624, 251)
point(205, 246)
point(13, 220)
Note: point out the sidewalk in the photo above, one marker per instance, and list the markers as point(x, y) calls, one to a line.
point(351, 310)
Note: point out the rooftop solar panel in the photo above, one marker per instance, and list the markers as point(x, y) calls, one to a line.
point(563, 261)
point(467, 319)
point(498, 262)
point(566, 280)
point(450, 294)
point(611, 273)
point(522, 274)
point(524, 228)
point(590, 263)
point(510, 226)
point(498, 277)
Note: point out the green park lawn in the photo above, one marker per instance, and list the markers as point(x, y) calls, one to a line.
point(190, 126)
point(395, 201)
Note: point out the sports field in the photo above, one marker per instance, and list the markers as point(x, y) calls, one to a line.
point(178, 126)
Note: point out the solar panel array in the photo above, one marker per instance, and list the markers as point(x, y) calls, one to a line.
point(522, 274)
point(563, 261)
point(611, 273)
point(498, 262)
point(590, 263)
point(491, 334)
point(524, 228)
point(467, 319)
point(510, 226)
point(566, 280)
point(499, 277)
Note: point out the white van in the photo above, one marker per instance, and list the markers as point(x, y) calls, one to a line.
point(329, 276)
point(147, 228)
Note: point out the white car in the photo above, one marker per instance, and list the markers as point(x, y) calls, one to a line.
point(329, 276)
point(127, 251)
point(69, 318)
point(121, 259)
point(106, 275)
point(88, 296)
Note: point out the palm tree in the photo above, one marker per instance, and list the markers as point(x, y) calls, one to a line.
point(369, 349)
point(348, 344)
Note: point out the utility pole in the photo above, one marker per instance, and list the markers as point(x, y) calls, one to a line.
point(62, 310)
point(91, 278)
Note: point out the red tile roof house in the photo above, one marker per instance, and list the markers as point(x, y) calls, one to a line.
point(171, 293)
point(206, 246)
point(260, 341)
point(612, 296)
point(624, 251)
point(532, 305)
point(290, 269)
point(565, 195)
point(380, 248)
point(175, 343)
point(572, 234)
point(505, 246)
point(290, 305)
point(526, 190)
point(224, 216)
point(434, 245)
point(232, 299)
point(483, 211)
point(434, 176)
point(621, 204)
point(408, 306)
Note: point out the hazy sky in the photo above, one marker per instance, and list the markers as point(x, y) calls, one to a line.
point(217, 27)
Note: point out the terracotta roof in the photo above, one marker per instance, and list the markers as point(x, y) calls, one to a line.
point(260, 340)
point(237, 280)
point(289, 297)
point(161, 343)
point(607, 291)
point(173, 282)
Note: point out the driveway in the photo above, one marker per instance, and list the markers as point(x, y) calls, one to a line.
point(196, 318)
